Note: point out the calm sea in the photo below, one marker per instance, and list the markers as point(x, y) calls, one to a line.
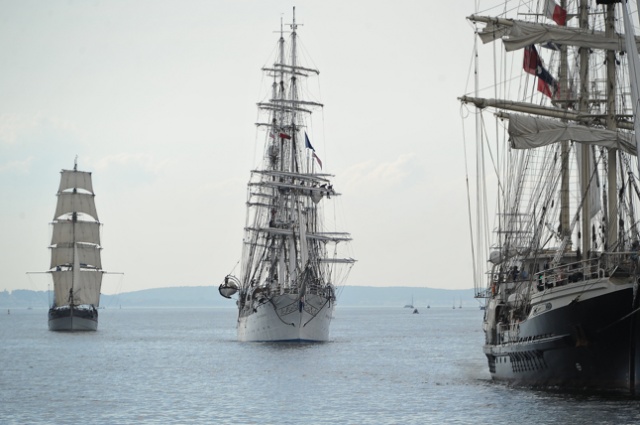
point(184, 366)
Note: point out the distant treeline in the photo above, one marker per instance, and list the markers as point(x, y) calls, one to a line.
point(207, 296)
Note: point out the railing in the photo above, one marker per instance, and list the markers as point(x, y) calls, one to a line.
point(607, 264)
point(571, 272)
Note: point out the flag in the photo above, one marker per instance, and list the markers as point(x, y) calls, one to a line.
point(533, 65)
point(555, 12)
point(317, 159)
point(284, 136)
point(308, 145)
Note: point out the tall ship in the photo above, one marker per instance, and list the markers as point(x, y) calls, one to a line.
point(555, 232)
point(293, 261)
point(75, 266)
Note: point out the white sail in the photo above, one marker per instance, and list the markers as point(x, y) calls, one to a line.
point(70, 202)
point(85, 231)
point(88, 255)
point(62, 284)
point(86, 289)
point(72, 179)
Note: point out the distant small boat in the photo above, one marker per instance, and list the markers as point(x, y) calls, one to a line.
point(410, 305)
point(415, 311)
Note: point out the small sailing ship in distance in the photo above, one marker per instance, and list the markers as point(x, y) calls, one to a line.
point(561, 274)
point(291, 261)
point(76, 266)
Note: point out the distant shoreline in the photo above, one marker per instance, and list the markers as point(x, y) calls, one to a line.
point(207, 296)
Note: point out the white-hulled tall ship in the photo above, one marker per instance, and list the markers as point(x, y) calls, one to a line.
point(75, 255)
point(555, 138)
point(291, 261)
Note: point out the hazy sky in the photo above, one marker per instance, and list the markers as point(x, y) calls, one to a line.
point(158, 100)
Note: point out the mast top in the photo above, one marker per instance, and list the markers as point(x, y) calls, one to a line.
point(75, 164)
point(293, 25)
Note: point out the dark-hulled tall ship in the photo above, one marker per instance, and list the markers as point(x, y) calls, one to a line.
point(556, 136)
point(76, 266)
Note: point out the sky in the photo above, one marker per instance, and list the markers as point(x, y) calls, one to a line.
point(158, 100)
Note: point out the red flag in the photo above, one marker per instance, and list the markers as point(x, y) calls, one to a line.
point(533, 65)
point(284, 136)
point(555, 12)
point(544, 88)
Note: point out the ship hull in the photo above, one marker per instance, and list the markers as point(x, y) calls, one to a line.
point(68, 319)
point(576, 340)
point(285, 318)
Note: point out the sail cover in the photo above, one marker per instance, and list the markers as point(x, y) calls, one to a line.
point(528, 132)
point(70, 179)
point(88, 255)
point(86, 288)
point(69, 202)
point(85, 231)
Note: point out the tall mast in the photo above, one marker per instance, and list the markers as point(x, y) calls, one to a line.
point(294, 90)
point(612, 154)
point(583, 106)
point(76, 263)
point(565, 230)
point(280, 95)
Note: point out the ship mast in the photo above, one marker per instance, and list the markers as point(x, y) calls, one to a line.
point(611, 215)
point(293, 92)
point(74, 252)
point(583, 106)
point(565, 228)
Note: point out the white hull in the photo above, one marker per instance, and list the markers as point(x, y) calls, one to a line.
point(283, 319)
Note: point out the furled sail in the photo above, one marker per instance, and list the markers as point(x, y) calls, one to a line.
point(527, 132)
point(518, 35)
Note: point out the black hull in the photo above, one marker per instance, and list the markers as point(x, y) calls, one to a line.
point(73, 319)
point(586, 345)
